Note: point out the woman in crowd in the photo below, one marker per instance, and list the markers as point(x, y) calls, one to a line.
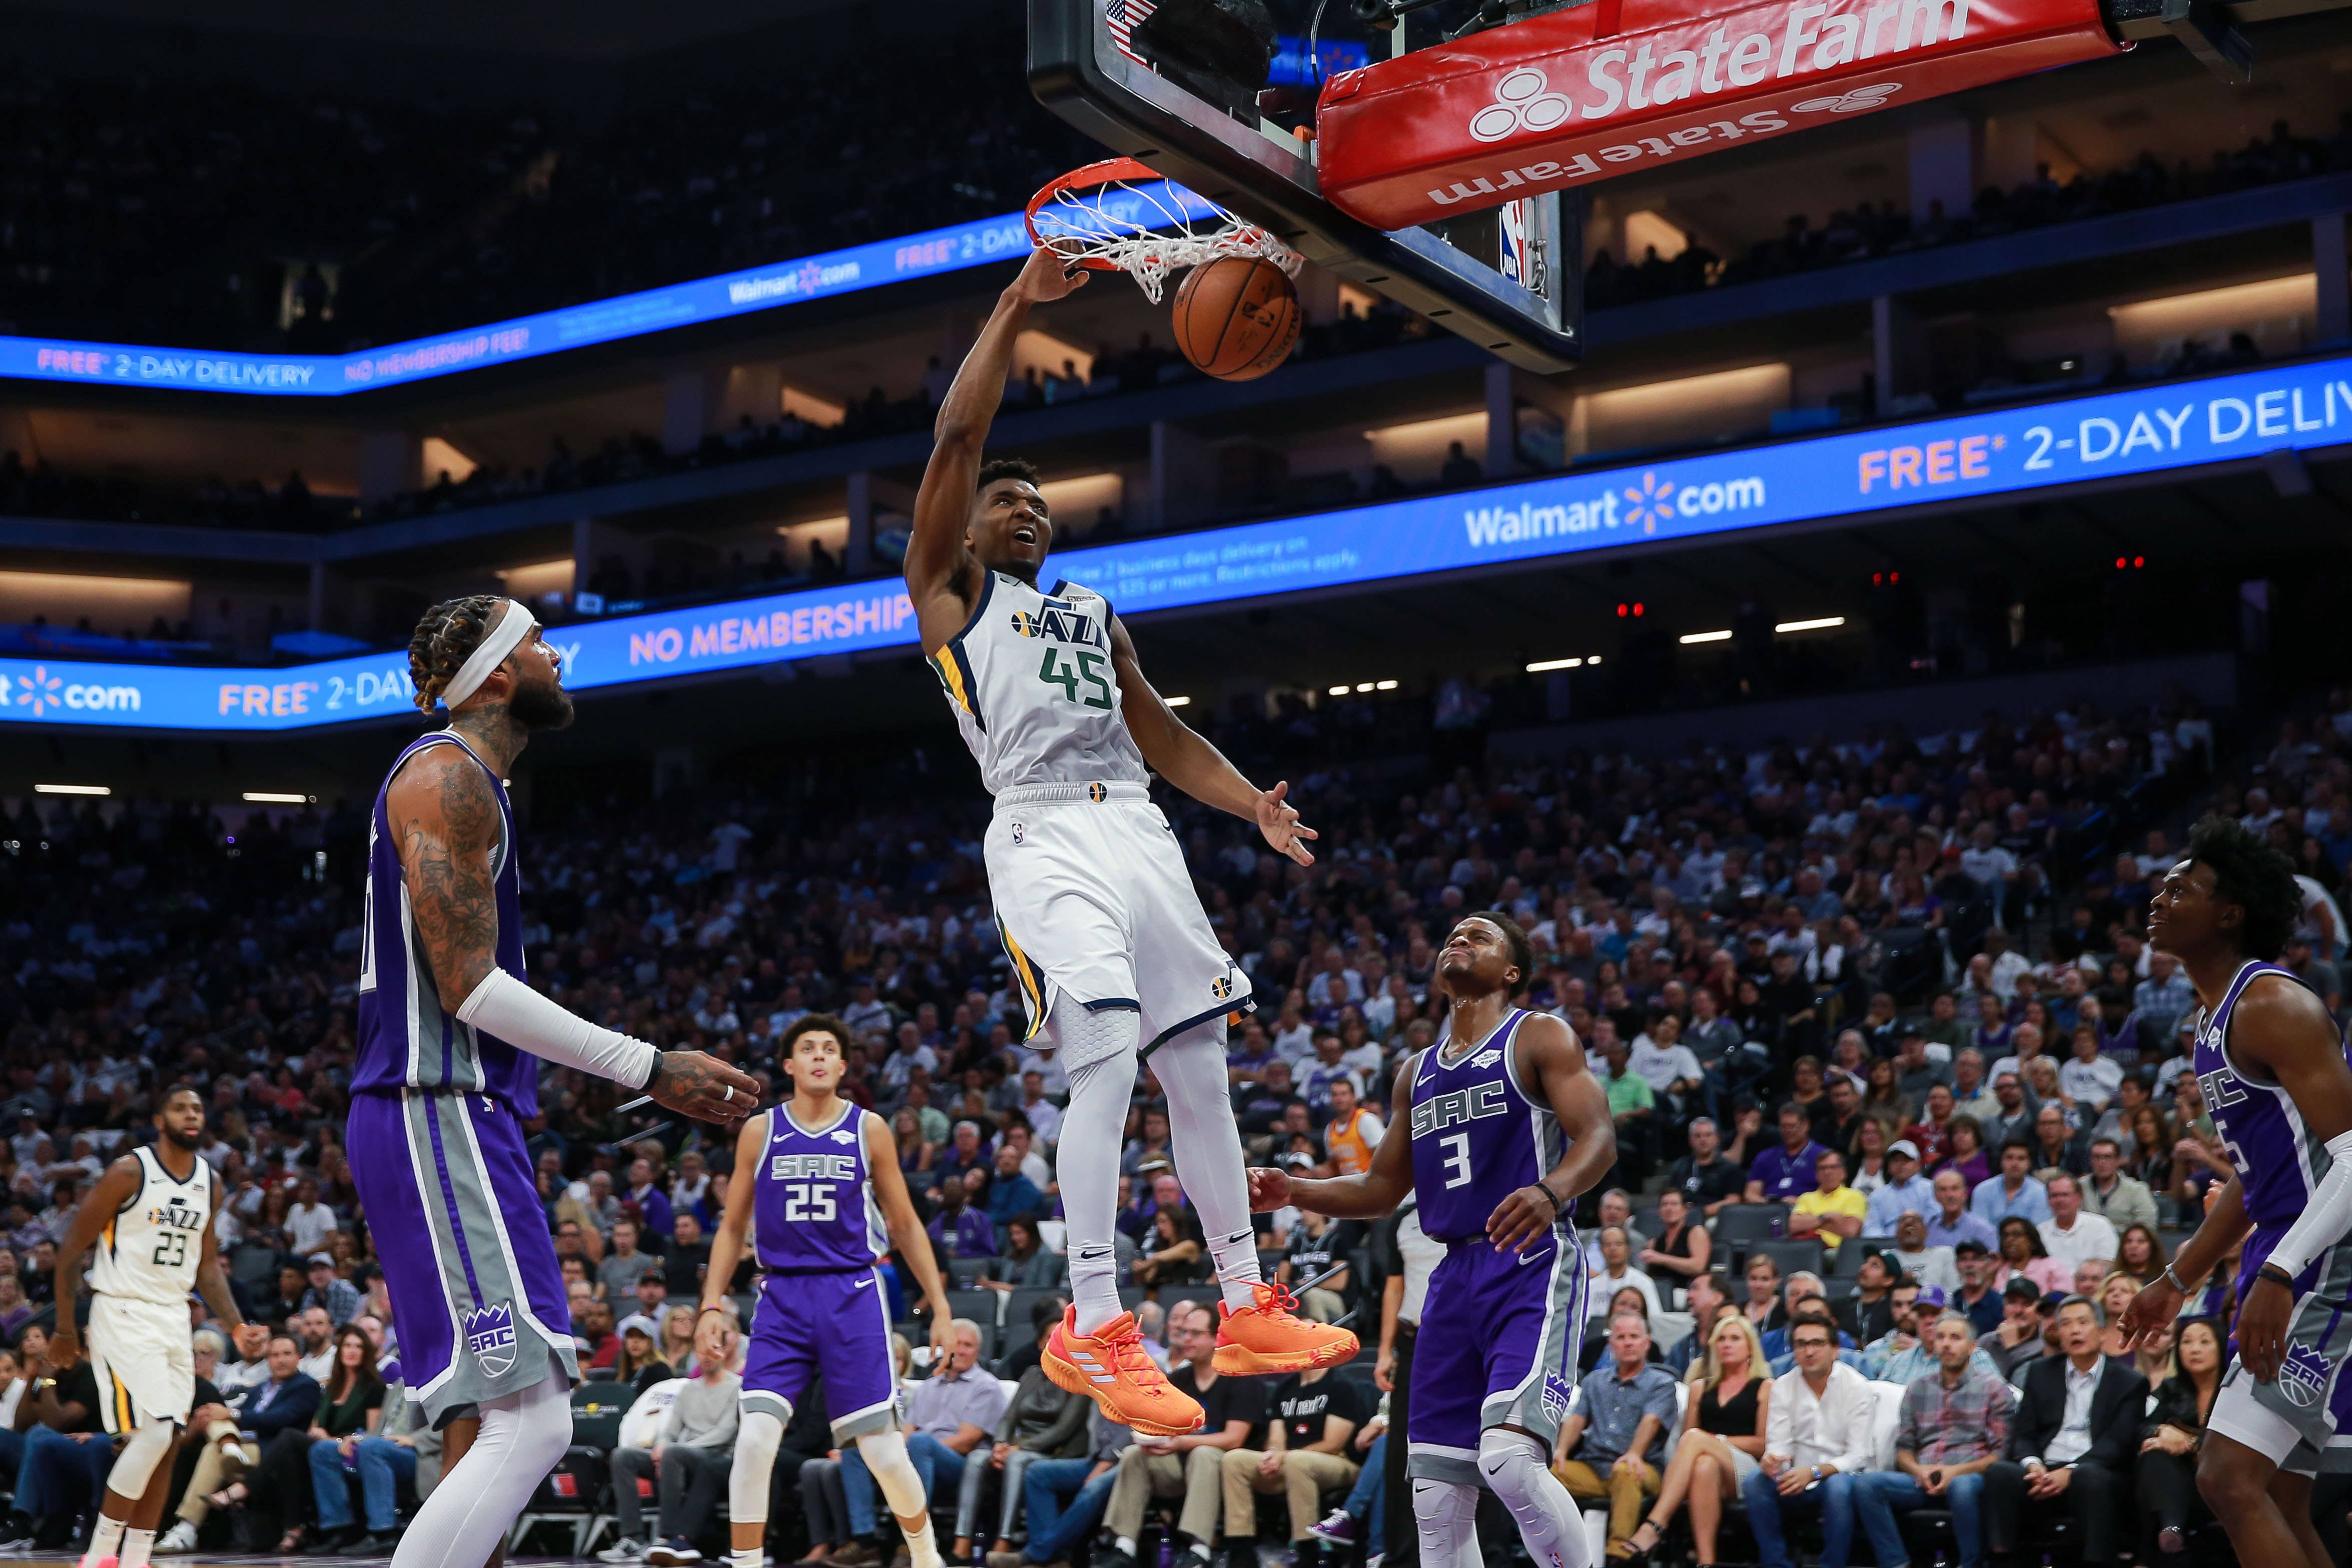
point(2151, 1147)
point(1026, 1264)
point(2115, 1293)
point(2168, 1501)
point(2021, 1252)
point(1993, 1030)
point(15, 1311)
point(1681, 1249)
point(1968, 1156)
point(1040, 1422)
point(1747, 1136)
point(1722, 1441)
point(1867, 1157)
point(1808, 1091)
point(1172, 1249)
point(676, 1347)
point(1885, 1101)
point(2041, 1083)
point(915, 1152)
point(351, 1407)
point(2140, 1254)
point(639, 1365)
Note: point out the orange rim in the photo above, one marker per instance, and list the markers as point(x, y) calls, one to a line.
point(1107, 171)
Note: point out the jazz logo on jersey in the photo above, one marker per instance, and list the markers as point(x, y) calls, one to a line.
point(1473, 1104)
point(1062, 621)
point(812, 1168)
point(1221, 987)
point(490, 1337)
point(2304, 1376)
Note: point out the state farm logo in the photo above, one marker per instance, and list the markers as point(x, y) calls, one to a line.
point(1521, 103)
point(1853, 100)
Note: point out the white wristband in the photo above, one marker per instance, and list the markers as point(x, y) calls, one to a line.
point(2325, 1218)
point(506, 1008)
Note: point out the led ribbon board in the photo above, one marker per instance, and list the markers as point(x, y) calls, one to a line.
point(2144, 430)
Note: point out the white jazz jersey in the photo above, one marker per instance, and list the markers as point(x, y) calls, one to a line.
point(150, 1250)
point(1031, 679)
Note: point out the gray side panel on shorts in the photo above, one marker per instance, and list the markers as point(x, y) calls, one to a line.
point(496, 1353)
point(2306, 1392)
point(1540, 1402)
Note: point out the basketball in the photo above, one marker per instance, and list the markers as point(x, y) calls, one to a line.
point(1236, 317)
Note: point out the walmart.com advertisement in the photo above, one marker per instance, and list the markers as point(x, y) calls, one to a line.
point(2142, 430)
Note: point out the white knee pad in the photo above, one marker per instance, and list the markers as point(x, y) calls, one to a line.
point(758, 1436)
point(135, 1465)
point(886, 1456)
point(1445, 1515)
point(1084, 1035)
point(1513, 1464)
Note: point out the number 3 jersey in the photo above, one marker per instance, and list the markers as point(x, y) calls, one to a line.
point(1478, 1137)
point(150, 1249)
point(1031, 679)
point(813, 1197)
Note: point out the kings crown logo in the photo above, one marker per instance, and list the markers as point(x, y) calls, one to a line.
point(2304, 1376)
point(490, 1337)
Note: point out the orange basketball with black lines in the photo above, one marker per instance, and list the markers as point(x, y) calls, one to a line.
point(1236, 317)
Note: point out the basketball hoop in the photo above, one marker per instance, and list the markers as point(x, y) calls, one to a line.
point(1119, 216)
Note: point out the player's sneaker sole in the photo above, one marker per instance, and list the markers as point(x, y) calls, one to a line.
point(1236, 1360)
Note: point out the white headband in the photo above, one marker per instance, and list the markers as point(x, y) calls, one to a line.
point(491, 652)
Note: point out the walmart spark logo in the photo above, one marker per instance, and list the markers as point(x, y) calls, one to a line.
point(1652, 502)
point(40, 691)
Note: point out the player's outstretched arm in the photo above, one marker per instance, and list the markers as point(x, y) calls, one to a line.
point(114, 1189)
point(941, 576)
point(2288, 1036)
point(445, 819)
point(1368, 1194)
point(906, 1232)
point(1179, 754)
point(1582, 1107)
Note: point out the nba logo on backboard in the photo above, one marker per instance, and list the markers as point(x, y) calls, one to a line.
point(2304, 1376)
point(1519, 257)
point(490, 1336)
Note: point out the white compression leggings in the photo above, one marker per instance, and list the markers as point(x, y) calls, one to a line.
point(761, 1432)
point(469, 1514)
point(135, 1465)
point(1445, 1514)
point(1100, 1051)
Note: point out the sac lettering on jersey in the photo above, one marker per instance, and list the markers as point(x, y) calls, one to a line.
point(1473, 1104)
point(811, 1167)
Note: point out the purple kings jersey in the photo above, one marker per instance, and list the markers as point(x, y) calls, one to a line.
point(813, 1201)
point(2278, 1159)
point(1477, 1136)
point(408, 1039)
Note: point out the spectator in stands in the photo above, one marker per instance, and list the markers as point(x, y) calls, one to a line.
point(1011, 1193)
point(2072, 1446)
point(1682, 1248)
point(1831, 1213)
point(1320, 1247)
point(339, 1299)
point(1870, 1311)
point(1632, 1107)
point(2073, 1235)
point(1064, 1499)
point(1704, 1178)
point(1725, 1420)
point(1172, 1250)
point(1977, 1296)
point(66, 1453)
point(1951, 1223)
point(2014, 1192)
point(623, 1265)
point(1040, 1422)
point(1312, 1416)
point(963, 1230)
point(2169, 1436)
point(948, 1416)
point(1613, 1444)
point(1352, 1132)
point(2122, 1201)
point(1027, 1263)
point(689, 1458)
point(1784, 1172)
point(2023, 1254)
point(350, 1414)
point(1816, 1440)
point(1617, 1273)
point(1906, 1191)
point(282, 1407)
point(1190, 1467)
point(309, 1221)
point(1954, 1427)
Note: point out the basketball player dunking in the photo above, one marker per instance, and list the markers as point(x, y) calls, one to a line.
point(450, 1038)
point(1098, 911)
point(147, 1228)
point(820, 1178)
point(1498, 1127)
point(2278, 1086)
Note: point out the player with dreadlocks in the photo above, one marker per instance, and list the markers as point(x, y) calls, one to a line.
point(2278, 1085)
point(450, 1038)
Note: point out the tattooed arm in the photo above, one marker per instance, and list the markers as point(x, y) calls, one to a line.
point(445, 819)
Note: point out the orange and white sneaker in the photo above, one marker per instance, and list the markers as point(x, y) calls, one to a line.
point(1111, 1367)
point(1268, 1336)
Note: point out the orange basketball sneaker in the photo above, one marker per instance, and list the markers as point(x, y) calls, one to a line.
point(1266, 1336)
point(1109, 1366)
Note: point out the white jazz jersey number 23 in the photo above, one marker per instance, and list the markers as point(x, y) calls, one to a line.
point(150, 1250)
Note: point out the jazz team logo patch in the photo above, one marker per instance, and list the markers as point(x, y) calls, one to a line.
point(1221, 987)
point(490, 1337)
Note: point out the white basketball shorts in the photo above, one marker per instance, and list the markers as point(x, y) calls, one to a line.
point(142, 1354)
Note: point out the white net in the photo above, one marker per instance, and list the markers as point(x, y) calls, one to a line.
point(1122, 214)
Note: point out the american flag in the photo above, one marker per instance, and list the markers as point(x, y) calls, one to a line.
point(1124, 17)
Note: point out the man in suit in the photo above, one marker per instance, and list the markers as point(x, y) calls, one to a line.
point(2072, 1446)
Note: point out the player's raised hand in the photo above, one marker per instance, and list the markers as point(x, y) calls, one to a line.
point(1045, 275)
point(1278, 820)
point(698, 1084)
point(1269, 1189)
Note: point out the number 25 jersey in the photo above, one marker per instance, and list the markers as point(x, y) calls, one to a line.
point(1031, 681)
point(813, 1203)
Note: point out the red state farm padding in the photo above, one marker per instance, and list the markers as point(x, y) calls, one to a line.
point(1570, 96)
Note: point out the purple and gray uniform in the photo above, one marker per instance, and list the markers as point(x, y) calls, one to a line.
point(2280, 1161)
point(1499, 1330)
point(817, 1231)
point(438, 1148)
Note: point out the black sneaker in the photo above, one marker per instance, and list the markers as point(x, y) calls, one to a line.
point(1112, 1557)
point(1241, 1555)
point(368, 1544)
